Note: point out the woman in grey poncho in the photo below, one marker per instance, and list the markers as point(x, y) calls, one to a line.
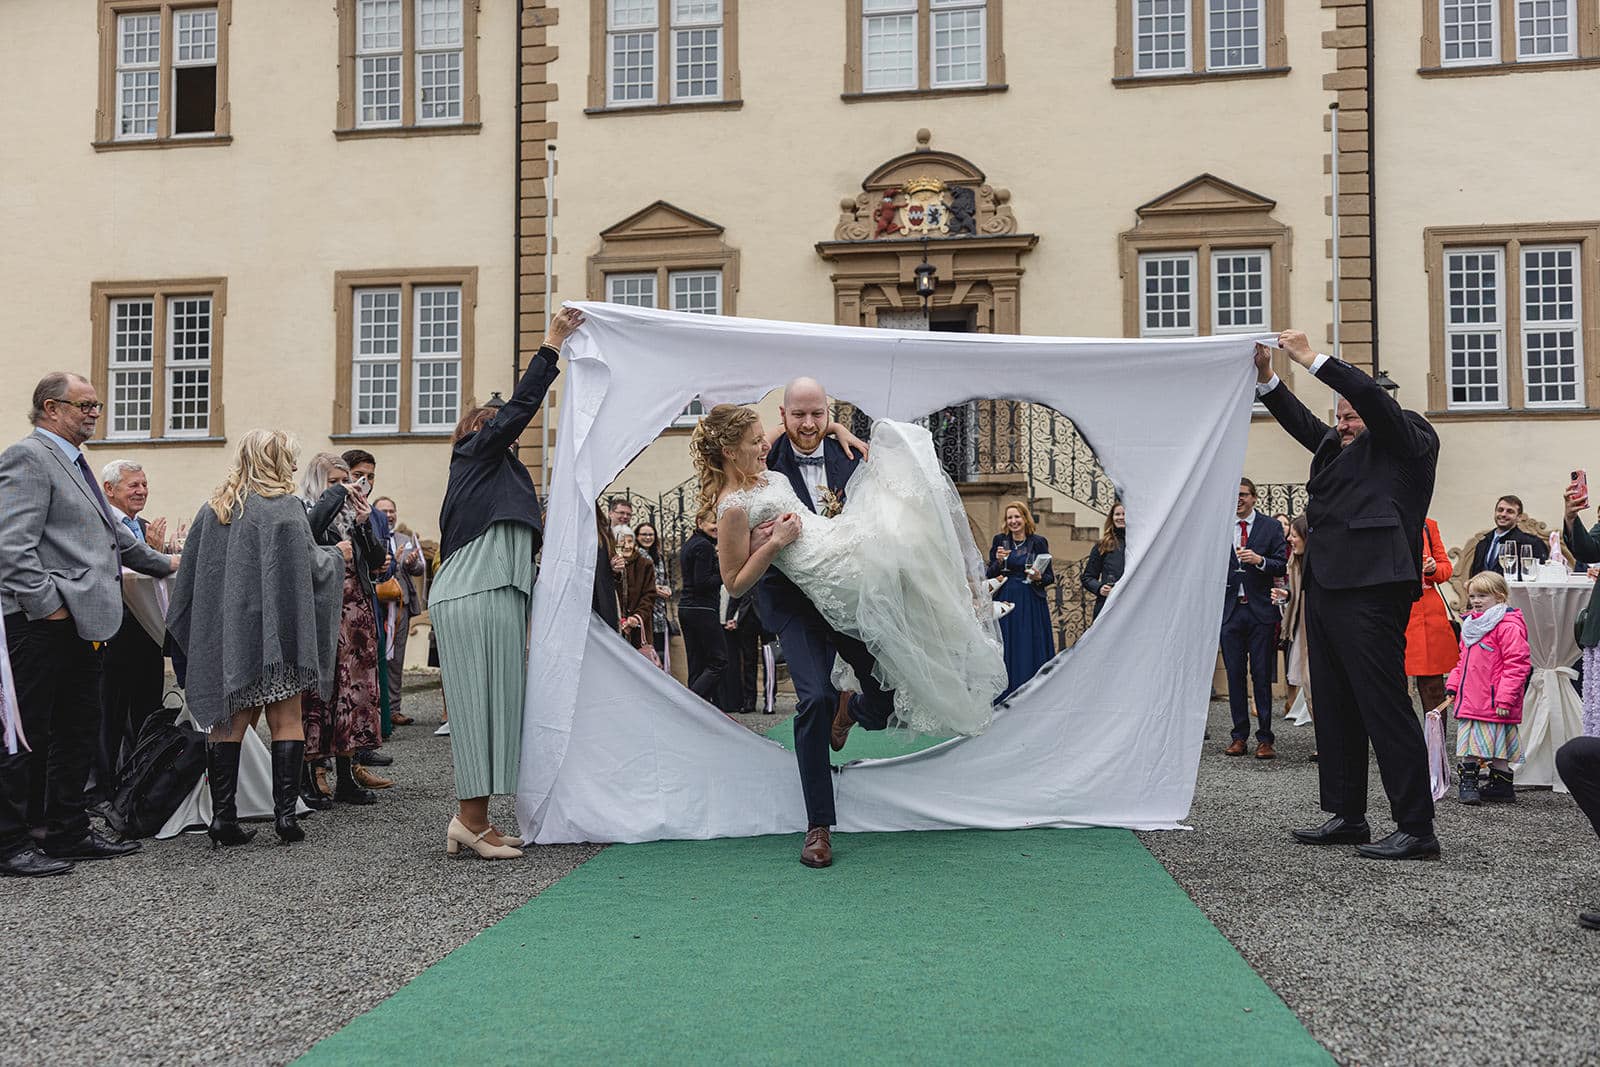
point(256, 609)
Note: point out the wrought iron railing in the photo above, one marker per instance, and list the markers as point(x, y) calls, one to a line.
point(1281, 498)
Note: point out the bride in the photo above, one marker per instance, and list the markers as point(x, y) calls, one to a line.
point(896, 568)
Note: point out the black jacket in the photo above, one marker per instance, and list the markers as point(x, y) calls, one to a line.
point(777, 598)
point(363, 542)
point(488, 484)
point(1541, 551)
point(1103, 568)
point(1367, 500)
point(702, 574)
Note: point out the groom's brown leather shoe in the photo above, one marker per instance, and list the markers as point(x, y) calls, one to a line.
point(841, 724)
point(818, 849)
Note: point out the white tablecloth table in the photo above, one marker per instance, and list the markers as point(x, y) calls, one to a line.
point(1552, 712)
point(147, 598)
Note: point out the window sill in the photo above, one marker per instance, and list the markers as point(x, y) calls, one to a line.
point(443, 130)
point(1501, 414)
point(163, 142)
point(1480, 70)
point(1133, 82)
point(395, 435)
point(919, 94)
point(659, 109)
point(160, 442)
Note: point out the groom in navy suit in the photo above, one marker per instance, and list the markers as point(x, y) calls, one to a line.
point(818, 469)
point(1250, 618)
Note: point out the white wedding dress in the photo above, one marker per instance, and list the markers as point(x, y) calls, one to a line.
point(898, 569)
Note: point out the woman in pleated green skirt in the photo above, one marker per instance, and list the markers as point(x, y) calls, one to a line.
point(490, 530)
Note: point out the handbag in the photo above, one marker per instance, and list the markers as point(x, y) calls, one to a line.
point(389, 590)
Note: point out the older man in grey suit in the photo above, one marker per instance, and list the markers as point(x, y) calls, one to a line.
point(59, 591)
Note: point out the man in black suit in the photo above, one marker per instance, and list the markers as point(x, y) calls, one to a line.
point(1507, 513)
point(818, 468)
point(1250, 619)
point(1371, 483)
point(135, 668)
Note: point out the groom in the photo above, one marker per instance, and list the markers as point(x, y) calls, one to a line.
point(817, 468)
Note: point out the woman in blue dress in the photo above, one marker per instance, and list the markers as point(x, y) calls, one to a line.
point(1026, 629)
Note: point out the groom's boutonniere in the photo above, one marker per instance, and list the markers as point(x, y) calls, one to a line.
point(832, 503)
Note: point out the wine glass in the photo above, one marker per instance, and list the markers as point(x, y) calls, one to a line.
point(1508, 559)
point(1527, 563)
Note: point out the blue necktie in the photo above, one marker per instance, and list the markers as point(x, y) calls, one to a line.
point(810, 461)
point(94, 487)
point(133, 524)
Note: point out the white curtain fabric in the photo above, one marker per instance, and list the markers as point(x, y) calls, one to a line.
point(1552, 711)
point(1108, 734)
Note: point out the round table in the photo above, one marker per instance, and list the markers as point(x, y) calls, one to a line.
point(1552, 712)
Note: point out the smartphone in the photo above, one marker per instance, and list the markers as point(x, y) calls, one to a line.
point(1580, 486)
point(361, 480)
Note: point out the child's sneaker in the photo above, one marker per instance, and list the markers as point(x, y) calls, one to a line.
point(1500, 788)
point(1469, 793)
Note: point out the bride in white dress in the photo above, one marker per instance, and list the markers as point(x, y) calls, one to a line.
point(896, 568)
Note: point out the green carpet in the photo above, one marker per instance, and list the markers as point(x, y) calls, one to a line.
point(863, 744)
point(1062, 946)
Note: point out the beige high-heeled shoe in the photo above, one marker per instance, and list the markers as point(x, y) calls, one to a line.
point(458, 835)
point(507, 839)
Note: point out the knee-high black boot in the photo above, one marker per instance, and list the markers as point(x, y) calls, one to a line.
point(287, 757)
point(222, 773)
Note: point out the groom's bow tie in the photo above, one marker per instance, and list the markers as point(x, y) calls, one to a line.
point(810, 461)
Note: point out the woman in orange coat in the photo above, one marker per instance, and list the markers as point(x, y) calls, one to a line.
point(1432, 647)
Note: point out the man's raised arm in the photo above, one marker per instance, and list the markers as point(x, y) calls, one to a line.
point(1291, 414)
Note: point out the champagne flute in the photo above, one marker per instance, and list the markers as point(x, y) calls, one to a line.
point(1527, 563)
point(1508, 559)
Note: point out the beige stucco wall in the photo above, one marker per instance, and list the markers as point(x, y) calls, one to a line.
point(277, 212)
point(1077, 154)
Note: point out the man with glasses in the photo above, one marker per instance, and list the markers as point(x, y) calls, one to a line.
point(61, 599)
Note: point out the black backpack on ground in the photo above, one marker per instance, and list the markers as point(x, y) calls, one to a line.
point(156, 776)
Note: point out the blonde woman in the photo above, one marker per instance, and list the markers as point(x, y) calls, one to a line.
point(1026, 629)
point(255, 607)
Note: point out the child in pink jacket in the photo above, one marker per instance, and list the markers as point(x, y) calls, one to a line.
point(1487, 686)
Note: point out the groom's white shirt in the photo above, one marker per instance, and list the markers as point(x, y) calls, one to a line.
point(814, 475)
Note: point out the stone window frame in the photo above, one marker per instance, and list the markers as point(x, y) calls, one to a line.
point(1274, 45)
point(345, 128)
point(994, 57)
point(1586, 43)
point(663, 239)
point(101, 296)
point(345, 283)
point(105, 119)
point(1234, 218)
point(1511, 238)
point(598, 105)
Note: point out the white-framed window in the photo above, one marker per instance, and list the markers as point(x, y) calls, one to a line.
point(1241, 290)
point(1475, 327)
point(138, 76)
point(1167, 294)
point(630, 52)
point(1160, 37)
point(132, 367)
point(380, 43)
point(188, 363)
point(959, 45)
point(1545, 30)
point(440, 59)
point(696, 50)
point(1470, 32)
point(194, 72)
point(1552, 327)
point(1234, 31)
point(376, 381)
point(696, 290)
point(436, 357)
point(636, 290)
point(888, 45)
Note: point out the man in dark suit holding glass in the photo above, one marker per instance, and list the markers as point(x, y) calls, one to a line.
point(1250, 620)
point(1371, 482)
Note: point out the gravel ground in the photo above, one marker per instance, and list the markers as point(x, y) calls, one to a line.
point(181, 955)
point(178, 954)
point(1476, 959)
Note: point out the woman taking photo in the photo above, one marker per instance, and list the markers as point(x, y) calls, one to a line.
point(256, 608)
point(1103, 569)
point(491, 528)
point(337, 510)
point(1025, 631)
point(650, 544)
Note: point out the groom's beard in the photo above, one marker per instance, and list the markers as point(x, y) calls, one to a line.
point(805, 446)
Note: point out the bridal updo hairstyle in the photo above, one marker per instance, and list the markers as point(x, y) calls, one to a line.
point(718, 432)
